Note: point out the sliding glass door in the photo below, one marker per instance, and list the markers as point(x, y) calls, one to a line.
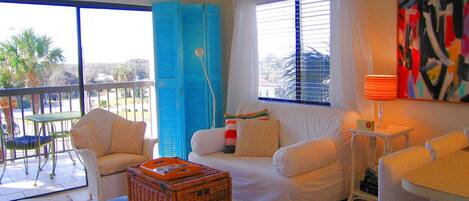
point(41, 68)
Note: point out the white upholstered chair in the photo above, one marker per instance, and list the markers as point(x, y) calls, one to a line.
point(393, 167)
point(447, 144)
point(106, 175)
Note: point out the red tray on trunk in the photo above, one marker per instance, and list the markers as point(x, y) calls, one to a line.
point(170, 168)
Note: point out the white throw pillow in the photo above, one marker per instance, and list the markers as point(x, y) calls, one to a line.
point(304, 157)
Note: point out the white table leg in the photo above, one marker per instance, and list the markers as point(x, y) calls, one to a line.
point(374, 149)
point(387, 146)
point(352, 175)
point(407, 140)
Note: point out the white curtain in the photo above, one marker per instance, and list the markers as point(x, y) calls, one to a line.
point(243, 73)
point(351, 60)
point(351, 57)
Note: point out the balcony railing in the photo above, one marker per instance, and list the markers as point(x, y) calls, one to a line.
point(131, 100)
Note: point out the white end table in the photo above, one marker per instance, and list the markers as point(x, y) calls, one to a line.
point(387, 134)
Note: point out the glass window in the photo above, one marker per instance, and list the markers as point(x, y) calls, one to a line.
point(294, 57)
point(52, 47)
point(118, 48)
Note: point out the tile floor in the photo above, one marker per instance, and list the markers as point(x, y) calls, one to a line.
point(80, 194)
point(17, 185)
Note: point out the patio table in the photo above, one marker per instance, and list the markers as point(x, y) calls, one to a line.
point(49, 119)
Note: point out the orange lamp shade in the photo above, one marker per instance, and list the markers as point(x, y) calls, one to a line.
point(381, 87)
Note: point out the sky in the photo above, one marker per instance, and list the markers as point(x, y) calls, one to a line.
point(108, 36)
point(111, 36)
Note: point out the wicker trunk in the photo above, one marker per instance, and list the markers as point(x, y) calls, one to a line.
point(210, 185)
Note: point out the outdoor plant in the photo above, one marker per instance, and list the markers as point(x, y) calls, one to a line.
point(311, 62)
point(24, 58)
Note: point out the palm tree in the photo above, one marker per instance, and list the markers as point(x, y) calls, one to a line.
point(123, 73)
point(312, 63)
point(24, 59)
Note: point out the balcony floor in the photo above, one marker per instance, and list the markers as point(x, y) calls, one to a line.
point(16, 184)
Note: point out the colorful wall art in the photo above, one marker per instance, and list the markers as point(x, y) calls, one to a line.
point(433, 50)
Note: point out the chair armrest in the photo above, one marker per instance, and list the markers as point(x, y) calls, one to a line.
point(208, 141)
point(89, 158)
point(90, 161)
point(148, 146)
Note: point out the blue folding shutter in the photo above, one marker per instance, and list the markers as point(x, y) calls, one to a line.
point(183, 95)
point(195, 85)
point(212, 16)
point(167, 57)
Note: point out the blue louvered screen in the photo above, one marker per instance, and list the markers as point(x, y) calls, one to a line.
point(179, 30)
point(213, 47)
point(168, 74)
point(195, 87)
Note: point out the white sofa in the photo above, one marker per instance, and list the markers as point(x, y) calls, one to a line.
point(255, 178)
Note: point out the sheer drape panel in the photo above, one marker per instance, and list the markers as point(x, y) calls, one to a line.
point(351, 58)
point(243, 73)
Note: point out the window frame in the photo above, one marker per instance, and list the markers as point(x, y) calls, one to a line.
point(82, 4)
point(298, 46)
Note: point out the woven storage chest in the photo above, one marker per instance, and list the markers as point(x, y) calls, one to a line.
point(210, 185)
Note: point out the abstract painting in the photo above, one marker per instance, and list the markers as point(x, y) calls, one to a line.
point(433, 50)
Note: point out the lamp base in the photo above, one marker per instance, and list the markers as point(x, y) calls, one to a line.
point(379, 122)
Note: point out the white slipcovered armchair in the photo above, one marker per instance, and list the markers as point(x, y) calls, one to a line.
point(393, 167)
point(107, 177)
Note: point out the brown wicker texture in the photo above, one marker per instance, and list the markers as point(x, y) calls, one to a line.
point(210, 185)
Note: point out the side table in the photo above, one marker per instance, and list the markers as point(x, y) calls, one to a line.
point(387, 134)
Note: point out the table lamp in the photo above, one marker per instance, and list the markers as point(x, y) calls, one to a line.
point(380, 88)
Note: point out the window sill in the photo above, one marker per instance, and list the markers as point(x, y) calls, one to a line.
point(294, 101)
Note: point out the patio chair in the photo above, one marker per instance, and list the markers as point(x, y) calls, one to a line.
point(24, 143)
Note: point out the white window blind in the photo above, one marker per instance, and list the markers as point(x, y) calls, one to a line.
point(294, 58)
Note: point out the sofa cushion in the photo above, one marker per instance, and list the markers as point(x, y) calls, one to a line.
point(257, 138)
point(231, 127)
point(304, 157)
point(127, 136)
point(116, 163)
point(255, 178)
point(85, 137)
